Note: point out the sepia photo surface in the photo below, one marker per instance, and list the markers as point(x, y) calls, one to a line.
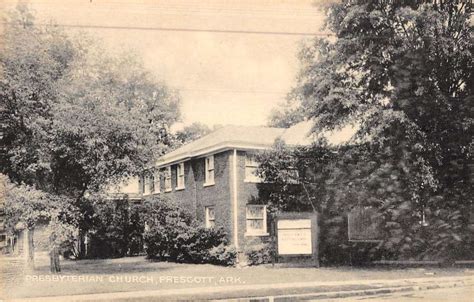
point(242, 150)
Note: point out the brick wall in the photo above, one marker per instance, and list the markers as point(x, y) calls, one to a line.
point(217, 195)
point(185, 197)
point(195, 196)
point(248, 193)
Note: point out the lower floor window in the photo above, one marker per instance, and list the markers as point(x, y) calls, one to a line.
point(256, 217)
point(210, 217)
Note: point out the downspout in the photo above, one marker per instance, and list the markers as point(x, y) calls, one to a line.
point(235, 207)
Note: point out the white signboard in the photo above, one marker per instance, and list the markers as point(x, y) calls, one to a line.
point(294, 237)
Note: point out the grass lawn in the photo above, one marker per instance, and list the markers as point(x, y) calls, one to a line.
point(137, 273)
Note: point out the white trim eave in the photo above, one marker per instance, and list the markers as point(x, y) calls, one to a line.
point(210, 150)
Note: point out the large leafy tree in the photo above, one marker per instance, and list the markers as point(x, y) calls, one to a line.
point(77, 117)
point(403, 72)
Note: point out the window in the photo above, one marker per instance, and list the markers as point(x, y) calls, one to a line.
point(147, 185)
point(180, 176)
point(256, 216)
point(251, 166)
point(210, 217)
point(168, 179)
point(156, 182)
point(209, 170)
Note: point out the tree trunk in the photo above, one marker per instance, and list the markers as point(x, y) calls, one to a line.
point(81, 245)
point(54, 264)
point(30, 248)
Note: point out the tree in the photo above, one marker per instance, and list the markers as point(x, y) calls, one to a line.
point(32, 60)
point(192, 132)
point(26, 207)
point(78, 118)
point(288, 114)
point(403, 71)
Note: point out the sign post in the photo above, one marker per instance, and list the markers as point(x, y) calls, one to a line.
point(297, 238)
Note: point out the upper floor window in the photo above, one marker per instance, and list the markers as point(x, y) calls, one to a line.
point(209, 170)
point(180, 176)
point(256, 218)
point(251, 166)
point(210, 217)
point(157, 182)
point(168, 179)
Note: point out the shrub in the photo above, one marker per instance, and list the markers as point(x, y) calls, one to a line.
point(165, 221)
point(116, 230)
point(259, 253)
point(223, 255)
point(172, 235)
point(194, 243)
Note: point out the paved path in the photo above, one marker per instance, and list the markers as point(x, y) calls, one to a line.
point(454, 294)
point(281, 291)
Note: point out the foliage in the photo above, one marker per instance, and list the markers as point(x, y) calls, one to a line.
point(171, 234)
point(24, 207)
point(192, 132)
point(77, 117)
point(31, 62)
point(27, 208)
point(116, 229)
point(401, 71)
point(62, 235)
point(259, 253)
point(288, 114)
point(108, 122)
point(194, 244)
point(333, 180)
point(222, 254)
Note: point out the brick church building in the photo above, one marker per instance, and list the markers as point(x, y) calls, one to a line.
point(214, 176)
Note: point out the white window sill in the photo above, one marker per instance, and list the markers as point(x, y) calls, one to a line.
point(168, 190)
point(179, 188)
point(253, 180)
point(156, 193)
point(255, 234)
point(209, 184)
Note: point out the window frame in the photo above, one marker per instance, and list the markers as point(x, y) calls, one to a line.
point(180, 177)
point(168, 183)
point(251, 163)
point(208, 220)
point(256, 232)
point(209, 169)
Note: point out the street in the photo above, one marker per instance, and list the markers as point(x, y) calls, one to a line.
point(458, 294)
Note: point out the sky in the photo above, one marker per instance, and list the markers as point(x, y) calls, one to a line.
point(232, 61)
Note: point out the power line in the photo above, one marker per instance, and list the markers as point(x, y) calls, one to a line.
point(182, 29)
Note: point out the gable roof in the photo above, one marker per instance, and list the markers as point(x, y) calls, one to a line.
point(252, 138)
point(227, 137)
